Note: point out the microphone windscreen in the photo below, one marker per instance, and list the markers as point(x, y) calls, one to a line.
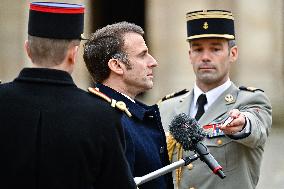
point(186, 131)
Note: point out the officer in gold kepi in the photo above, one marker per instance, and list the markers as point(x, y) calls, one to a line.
point(210, 23)
point(238, 147)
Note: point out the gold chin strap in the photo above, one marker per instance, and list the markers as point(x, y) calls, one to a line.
point(171, 145)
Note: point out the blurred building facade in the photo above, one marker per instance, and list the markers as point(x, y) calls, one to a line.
point(259, 33)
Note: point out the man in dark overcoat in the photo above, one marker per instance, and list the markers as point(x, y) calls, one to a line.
point(53, 134)
point(118, 60)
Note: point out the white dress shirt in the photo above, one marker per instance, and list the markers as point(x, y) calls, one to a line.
point(211, 96)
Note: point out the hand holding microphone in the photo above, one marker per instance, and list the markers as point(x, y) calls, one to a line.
point(188, 133)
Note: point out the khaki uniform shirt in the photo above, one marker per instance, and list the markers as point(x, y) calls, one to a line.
point(241, 158)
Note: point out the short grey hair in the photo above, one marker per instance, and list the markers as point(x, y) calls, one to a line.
point(107, 43)
point(232, 43)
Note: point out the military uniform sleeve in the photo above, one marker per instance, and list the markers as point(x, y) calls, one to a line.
point(257, 108)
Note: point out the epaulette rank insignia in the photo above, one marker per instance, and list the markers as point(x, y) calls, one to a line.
point(251, 89)
point(173, 95)
point(118, 104)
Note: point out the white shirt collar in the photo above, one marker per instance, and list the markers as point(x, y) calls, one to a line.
point(211, 96)
point(128, 97)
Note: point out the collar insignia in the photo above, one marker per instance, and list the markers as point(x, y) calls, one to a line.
point(229, 98)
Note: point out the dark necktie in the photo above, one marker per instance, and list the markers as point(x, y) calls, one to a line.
point(201, 101)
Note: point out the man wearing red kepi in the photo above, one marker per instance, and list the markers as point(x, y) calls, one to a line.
point(53, 134)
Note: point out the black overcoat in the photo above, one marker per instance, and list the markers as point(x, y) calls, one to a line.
point(55, 135)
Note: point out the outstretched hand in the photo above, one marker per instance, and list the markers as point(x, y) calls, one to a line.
point(236, 125)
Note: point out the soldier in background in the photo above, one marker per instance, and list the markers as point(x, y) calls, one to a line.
point(239, 146)
point(53, 134)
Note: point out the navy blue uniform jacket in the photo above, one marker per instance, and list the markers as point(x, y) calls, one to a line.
point(146, 148)
point(54, 135)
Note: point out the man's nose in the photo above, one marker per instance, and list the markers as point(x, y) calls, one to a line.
point(153, 62)
point(206, 56)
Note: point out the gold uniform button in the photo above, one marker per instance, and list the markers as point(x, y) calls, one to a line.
point(219, 142)
point(190, 166)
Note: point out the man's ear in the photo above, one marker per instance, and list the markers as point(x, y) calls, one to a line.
point(72, 54)
point(27, 48)
point(234, 54)
point(189, 56)
point(115, 66)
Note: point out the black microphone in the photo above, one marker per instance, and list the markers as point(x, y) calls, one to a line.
point(189, 134)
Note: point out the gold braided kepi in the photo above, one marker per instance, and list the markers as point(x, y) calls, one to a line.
point(210, 24)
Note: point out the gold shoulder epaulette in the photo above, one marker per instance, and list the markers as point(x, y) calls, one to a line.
point(118, 104)
point(251, 89)
point(175, 94)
